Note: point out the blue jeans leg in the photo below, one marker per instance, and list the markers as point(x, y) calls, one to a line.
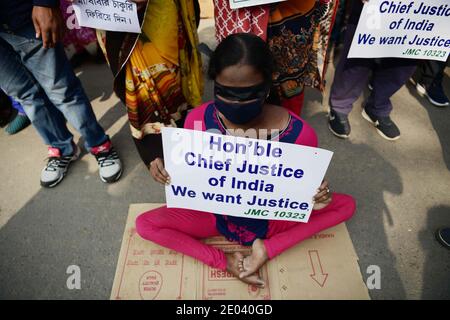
point(52, 70)
point(17, 82)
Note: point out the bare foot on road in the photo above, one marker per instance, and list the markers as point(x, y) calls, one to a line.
point(233, 268)
point(252, 263)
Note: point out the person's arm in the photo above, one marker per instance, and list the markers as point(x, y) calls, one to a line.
point(158, 171)
point(48, 22)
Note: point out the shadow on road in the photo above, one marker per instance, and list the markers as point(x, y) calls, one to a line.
point(359, 170)
point(439, 118)
point(436, 276)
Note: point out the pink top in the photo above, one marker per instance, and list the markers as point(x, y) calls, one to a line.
point(306, 136)
point(246, 230)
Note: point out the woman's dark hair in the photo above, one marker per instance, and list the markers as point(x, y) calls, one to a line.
point(245, 49)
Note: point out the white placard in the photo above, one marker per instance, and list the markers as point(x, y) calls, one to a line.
point(113, 15)
point(236, 4)
point(242, 177)
point(403, 29)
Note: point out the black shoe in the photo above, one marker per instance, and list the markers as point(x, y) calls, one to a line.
point(435, 94)
point(338, 124)
point(443, 237)
point(19, 123)
point(385, 126)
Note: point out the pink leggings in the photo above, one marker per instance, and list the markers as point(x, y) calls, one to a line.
point(182, 229)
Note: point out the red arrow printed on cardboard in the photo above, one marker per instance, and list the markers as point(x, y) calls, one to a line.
point(318, 275)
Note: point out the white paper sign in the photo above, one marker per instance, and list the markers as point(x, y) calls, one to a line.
point(242, 177)
point(113, 15)
point(403, 29)
point(236, 4)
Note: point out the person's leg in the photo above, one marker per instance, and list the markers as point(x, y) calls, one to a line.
point(336, 32)
point(428, 81)
point(388, 77)
point(181, 230)
point(149, 147)
point(350, 77)
point(21, 120)
point(54, 74)
point(17, 106)
point(284, 234)
point(7, 112)
point(17, 82)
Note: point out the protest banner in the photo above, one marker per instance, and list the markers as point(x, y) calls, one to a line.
point(242, 177)
point(113, 15)
point(236, 4)
point(403, 29)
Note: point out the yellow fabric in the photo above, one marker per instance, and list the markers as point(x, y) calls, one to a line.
point(163, 74)
point(161, 28)
point(192, 81)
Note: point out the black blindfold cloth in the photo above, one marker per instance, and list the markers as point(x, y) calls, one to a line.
point(258, 91)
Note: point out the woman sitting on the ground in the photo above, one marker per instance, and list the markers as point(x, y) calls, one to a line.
point(241, 67)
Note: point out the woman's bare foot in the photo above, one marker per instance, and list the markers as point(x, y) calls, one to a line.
point(252, 263)
point(233, 267)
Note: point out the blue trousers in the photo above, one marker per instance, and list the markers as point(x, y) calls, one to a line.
point(352, 75)
point(43, 82)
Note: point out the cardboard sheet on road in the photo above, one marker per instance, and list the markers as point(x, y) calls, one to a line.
point(322, 267)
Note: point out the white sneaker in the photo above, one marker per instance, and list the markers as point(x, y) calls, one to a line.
point(57, 166)
point(109, 164)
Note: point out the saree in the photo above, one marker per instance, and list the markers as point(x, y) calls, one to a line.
point(297, 32)
point(157, 74)
point(300, 31)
